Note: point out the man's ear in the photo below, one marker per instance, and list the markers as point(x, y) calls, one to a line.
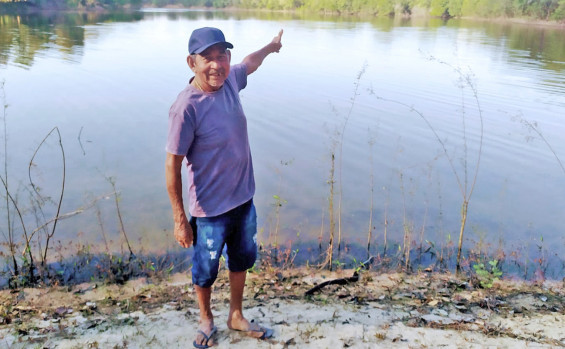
point(229, 55)
point(190, 61)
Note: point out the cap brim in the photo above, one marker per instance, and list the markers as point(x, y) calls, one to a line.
point(204, 48)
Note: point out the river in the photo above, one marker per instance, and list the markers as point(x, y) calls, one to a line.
point(418, 113)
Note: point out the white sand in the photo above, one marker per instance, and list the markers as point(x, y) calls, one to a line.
point(298, 323)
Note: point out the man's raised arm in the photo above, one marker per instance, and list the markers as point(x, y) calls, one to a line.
point(254, 60)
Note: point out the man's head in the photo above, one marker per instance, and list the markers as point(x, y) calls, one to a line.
point(202, 38)
point(209, 58)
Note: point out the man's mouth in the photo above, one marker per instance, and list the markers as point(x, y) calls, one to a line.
point(216, 74)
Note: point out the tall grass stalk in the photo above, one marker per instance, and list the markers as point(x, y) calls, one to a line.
point(407, 227)
point(331, 212)
point(466, 183)
point(342, 133)
point(27, 271)
point(533, 126)
point(321, 236)
point(10, 237)
point(38, 201)
point(11, 201)
point(26, 274)
point(112, 182)
point(372, 187)
point(278, 203)
point(422, 230)
point(385, 232)
point(102, 229)
point(41, 200)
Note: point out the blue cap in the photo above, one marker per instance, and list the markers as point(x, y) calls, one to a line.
point(205, 37)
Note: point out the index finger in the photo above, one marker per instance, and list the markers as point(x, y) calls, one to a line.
point(280, 34)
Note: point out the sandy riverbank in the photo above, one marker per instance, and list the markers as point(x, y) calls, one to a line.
point(425, 310)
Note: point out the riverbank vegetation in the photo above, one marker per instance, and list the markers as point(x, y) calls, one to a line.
point(545, 10)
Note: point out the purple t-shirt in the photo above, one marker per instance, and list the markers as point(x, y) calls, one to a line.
point(210, 129)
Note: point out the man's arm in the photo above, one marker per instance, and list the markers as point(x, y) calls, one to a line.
point(254, 60)
point(182, 230)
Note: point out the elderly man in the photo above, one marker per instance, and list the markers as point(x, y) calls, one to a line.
point(208, 128)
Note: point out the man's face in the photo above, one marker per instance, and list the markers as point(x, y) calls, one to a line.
point(211, 67)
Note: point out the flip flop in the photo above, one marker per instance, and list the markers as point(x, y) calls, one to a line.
point(207, 338)
point(266, 333)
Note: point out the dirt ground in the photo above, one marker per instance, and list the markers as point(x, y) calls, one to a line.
point(395, 310)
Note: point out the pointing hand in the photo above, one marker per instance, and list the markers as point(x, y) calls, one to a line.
point(276, 43)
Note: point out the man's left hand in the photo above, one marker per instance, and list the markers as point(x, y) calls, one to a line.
point(276, 43)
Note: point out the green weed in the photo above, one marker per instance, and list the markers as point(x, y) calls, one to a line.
point(488, 277)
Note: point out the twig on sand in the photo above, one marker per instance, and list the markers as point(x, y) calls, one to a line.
point(341, 281)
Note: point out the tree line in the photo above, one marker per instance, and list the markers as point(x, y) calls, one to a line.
point(530, 9)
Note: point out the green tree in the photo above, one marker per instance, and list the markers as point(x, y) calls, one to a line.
point(455, 8)
point(221, 3)
point(520, 7)
point(547, 8)
point(559, 14)
point(439, 8)
point(385, 7)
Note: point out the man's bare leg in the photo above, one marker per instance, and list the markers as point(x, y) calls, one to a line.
point(203, 294)
point(236, 320)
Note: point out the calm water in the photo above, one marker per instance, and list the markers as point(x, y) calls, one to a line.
point(107, 82)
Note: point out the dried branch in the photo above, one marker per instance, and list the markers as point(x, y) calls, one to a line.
point(60, 202)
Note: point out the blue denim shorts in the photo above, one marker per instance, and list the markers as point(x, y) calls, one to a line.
point(236, 229)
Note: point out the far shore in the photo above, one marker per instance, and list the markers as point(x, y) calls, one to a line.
point(417, 13)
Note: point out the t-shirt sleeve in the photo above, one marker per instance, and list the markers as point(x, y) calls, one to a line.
point(240, 75)
point(181, 131)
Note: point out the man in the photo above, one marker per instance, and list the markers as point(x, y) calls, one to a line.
point(208, 128)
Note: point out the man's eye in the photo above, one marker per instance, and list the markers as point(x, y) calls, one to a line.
point(220, 58)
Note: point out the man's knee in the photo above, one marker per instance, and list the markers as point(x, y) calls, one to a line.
point(243, 259)
point(204, 278)
point(205, 267)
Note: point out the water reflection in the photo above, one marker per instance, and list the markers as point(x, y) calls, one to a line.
point(23, 38)
point(541, 44)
